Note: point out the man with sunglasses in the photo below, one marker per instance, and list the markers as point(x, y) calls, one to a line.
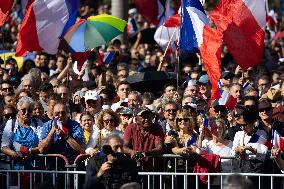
point(62, 135)
point(170, 109)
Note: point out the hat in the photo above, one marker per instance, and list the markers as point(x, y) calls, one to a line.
point(191, 82)
point(126, 111)
point(79, 93)
point(227, 75)
point(142, 110)
point(203, 79)
point(272, 94)
point(132, 11)
point(263, 104)
point(91, 95)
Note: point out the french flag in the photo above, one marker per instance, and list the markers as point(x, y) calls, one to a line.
point(44, 23)
point(242, 24)
point(227, 100)
point(105, 58)
point(259, 136)
point(278, 140)
point(198, 36)
point(194, 21)
point(246, 86)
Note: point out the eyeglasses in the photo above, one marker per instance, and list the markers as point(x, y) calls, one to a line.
point(9, 116)
point(126, 115)
point(182, 119)
point(26, 110)
point(7, 89)
point(242, 125)
point(62, 113)
point(171, 110)
point(108, 121)
point(265, 109)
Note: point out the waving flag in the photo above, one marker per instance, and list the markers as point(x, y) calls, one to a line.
point(44, 23)
point(194, 21)
point(5, 8)
point(192, 140)
point(242, 24)
point(278, 140)
point(227, 100)
point(259, 136)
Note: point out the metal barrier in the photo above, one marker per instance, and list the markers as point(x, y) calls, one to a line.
point(161, 176)
point(53, 162)
point(74, 173)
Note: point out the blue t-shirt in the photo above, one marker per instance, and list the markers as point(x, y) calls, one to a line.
point(59, 145)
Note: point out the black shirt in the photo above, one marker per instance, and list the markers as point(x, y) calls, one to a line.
point(124, 170)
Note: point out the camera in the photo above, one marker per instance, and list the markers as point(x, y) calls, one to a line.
point(117, 174)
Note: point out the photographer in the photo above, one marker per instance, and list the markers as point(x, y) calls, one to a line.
point(113, 169)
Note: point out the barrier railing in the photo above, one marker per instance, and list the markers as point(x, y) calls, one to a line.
point(161, 176)
point(77, 171)
point(42, 162)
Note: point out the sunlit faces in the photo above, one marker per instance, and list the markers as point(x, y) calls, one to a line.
point(109, 122)
point(123, 91)
point(64, 93)
point(87, 122)
point(170, 90)
point(60, 112)
point(25, 112)
point(170, 111)
point(27, 84)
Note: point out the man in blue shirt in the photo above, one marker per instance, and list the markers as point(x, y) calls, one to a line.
point(62, 135)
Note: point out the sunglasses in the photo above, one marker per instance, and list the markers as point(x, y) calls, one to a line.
point(9, 116)
point(7, 89)
point(265, 109)
point(62, 113)
point(171, 110)
point(108, 121)
point(182, 119)
point(26, 110)
point(126, 115)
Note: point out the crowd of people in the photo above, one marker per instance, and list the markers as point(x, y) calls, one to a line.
point(49, 107)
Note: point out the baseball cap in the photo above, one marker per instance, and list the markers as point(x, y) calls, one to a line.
point(126, 111)
point(227, 75)
point(91, 95)
point(142, 110)
point(203, 79)
point(264, 104)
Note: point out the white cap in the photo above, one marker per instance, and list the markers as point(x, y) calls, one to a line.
point(191, 82)
point(132, 11)
point(91, 95)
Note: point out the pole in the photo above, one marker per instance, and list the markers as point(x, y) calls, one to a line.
point(179, 50)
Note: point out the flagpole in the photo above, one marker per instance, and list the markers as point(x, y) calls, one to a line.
point(178, 49)
point(168, 45)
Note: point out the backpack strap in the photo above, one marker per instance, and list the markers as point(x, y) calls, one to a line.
point(13, 124)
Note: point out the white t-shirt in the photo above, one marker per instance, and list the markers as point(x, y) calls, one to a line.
point(225, 150)
point(242, 139)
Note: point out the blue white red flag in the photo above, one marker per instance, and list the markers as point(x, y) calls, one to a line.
point(259, 136)
point(227, 100)
point(194, 21)
point(44, 23)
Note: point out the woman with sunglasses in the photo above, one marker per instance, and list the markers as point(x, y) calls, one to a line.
point(187, 137)
point(107, 123)
point(20, 139)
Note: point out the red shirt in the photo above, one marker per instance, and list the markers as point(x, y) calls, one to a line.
point(143, 142)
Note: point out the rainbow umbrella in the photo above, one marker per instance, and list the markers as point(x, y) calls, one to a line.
point(93, 32)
